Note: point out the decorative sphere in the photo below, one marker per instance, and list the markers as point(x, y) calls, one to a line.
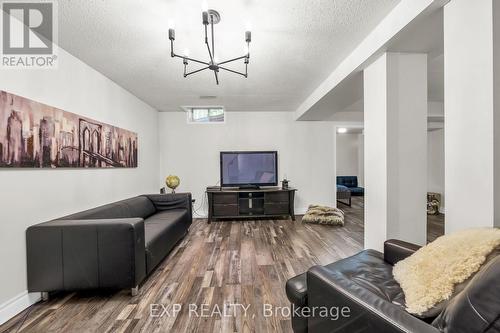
point(172, 182)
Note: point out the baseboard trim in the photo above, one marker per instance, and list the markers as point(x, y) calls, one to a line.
point(301, 211)
point(17, 304)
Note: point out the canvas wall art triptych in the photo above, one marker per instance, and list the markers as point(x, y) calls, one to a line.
point(35, 135)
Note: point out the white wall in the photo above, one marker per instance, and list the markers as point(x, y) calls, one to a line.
point(305, 150)
point(435, 108)
point(435, 163)
point(347, 154)
point(361, 160)
point(30, 196)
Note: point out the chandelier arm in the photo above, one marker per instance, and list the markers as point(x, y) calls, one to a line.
point(191, 59)
point(213, 43)
point(196, 71)
point(208, 45)
point(210, 53)
point(235, 72)
point(216, 77)
point(231, 60)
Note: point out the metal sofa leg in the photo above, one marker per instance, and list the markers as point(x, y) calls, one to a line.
point(134, 291)
point(45, 296)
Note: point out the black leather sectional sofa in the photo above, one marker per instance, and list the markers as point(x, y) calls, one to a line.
point(114, 246)
point(365, 285)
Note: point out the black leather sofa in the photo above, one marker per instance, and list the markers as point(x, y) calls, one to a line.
point(114, 246)
point(364, 284)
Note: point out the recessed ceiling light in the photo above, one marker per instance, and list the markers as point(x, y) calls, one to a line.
point(342, 130)
point(208, 97)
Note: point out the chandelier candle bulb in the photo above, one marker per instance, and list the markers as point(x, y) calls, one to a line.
point(205, 17)
point(171, 34)
point(248, 36)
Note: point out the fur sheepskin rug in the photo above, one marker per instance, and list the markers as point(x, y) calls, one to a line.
point(324, 215)
point(429, 276)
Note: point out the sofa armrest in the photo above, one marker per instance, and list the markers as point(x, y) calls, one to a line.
point(85, 254)
point(352, 308)
point(172, 201)
point(396, 250)
point(296, 291)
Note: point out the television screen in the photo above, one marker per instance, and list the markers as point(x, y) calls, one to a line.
point(249, 168)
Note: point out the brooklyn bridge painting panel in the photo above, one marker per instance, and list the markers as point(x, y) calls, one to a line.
point(34, 135)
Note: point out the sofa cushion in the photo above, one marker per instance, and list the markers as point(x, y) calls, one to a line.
point(477, 307)
point(118, 210)
point(369, 271)
point(349, 181)
point(342, 188)
point(162, 231)
point(134, 207)
point(356, 190)
point(140, 207)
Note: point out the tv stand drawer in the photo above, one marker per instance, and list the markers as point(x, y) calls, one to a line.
point(276, 208)
point(226, 198)
point(277, 197)
point(226, 210)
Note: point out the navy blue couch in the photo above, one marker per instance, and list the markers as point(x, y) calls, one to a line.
point(351, 182)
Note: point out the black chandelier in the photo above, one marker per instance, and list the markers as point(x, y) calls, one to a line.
point(211, 17)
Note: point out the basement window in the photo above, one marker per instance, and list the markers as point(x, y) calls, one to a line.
point(205, 115)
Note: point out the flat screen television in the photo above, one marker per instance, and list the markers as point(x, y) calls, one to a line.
point(248, 168)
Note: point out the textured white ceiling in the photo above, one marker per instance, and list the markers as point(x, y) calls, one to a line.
point(296, 44)
point(423, 35)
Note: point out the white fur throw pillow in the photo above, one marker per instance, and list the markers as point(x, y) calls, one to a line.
point(324, 215)
point(429, 276)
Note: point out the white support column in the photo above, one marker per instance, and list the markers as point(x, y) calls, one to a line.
point(496, 109)
point(395, 96)
point(472, 124)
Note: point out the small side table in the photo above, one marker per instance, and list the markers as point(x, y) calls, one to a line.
point(344, 194)
point(163, 190)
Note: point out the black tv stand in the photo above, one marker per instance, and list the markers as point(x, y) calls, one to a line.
point(249, 187)
point(234, 203)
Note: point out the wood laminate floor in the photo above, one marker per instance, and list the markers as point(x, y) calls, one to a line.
point(216, 265)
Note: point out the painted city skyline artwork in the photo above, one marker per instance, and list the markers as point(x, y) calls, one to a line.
point(35, 135)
